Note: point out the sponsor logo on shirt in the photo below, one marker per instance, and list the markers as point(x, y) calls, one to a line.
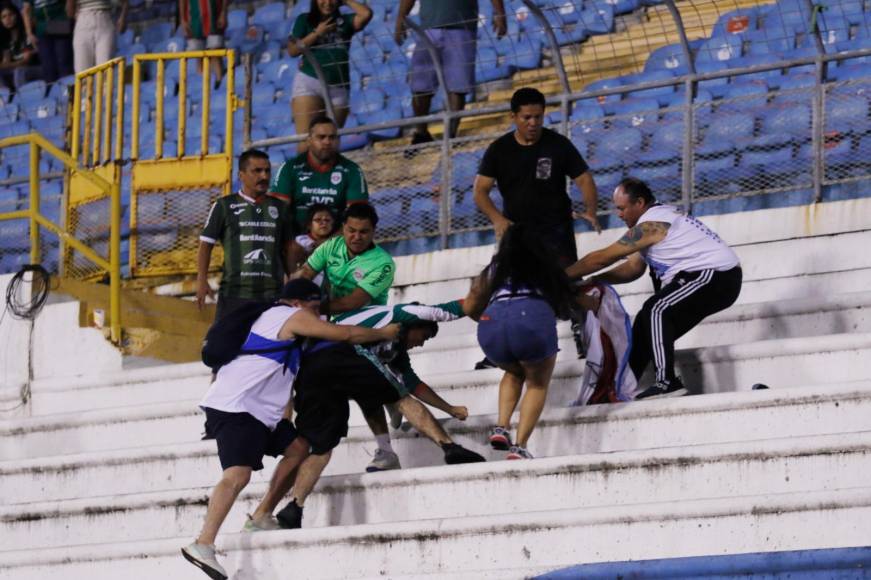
point(336, 177)
point(256, 238)
point(304, 177)
point(256, 257)
point(273, 212)
point(319, 190)
point(385, 272)
point(258, 224)
point(543, 168)
point(359, 274)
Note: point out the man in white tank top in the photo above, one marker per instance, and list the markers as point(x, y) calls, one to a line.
point(245, 411)
point(698, 272)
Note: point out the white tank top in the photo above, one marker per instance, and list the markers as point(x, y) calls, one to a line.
point(689, 246)
point(258, 384)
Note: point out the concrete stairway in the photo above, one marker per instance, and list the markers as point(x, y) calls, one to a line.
point(105, 476)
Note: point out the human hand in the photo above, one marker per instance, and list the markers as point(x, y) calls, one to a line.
point(590, 217)
point(500, 26)
point(222, 21)
point(203, 290)
point(391, 331)
point(500, 225)
point(459, 412)
point(325, 26)
point(186, 28)
point(34, 42)
point(399, 33)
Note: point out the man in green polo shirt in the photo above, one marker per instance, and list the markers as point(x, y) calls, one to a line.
point(320, 175)
point(255, 232)
point(359, 273)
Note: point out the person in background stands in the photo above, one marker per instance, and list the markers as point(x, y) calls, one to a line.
point(327, 33)
point(204, 22)
point(517, 300)
point(530, 165)
point(452, 26)
point(17, 57)
point(94, 33)
point(320, 226)
point(700, 275)
point(256, 233)
point(49, 28)
point(320, 175)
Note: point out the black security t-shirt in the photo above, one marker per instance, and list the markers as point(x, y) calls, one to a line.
point(532, 178)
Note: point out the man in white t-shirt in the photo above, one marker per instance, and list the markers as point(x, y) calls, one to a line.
point(245, 411)
point(699, 275)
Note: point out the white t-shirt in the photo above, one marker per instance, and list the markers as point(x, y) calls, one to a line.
point(689, 246)
point(258, 384)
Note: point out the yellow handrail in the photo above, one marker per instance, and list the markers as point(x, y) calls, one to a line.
point(113, 264)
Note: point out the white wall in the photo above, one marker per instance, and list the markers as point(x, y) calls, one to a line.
point(14, 336)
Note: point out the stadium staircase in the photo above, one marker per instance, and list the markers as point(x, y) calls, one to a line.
point(103, 474)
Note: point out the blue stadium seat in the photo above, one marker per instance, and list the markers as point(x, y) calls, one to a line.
point(607, 102)
point(846, 114)
point(12, 129)
point(32, 91)
point(488, 66)
point(568, 28)
point(9, 113)
point(661, 94)
point(724, 131)
point(670, 57)
point(771, 77)
point(268, 15)
point(597, 17)
point(792, 119)
point(280, 72)
point(719, 49)
point(389, 113)
point(40, 109)
point(717, 87)
point(635, 113)
point(237, 20)
point(367, 101)
point(760, 42)
point(620, 145)
point(124, 39)
point(156, 33)
point(737, 22)
point(524, 52)
point(744, 96)
point(665, 142)
point(262, 95)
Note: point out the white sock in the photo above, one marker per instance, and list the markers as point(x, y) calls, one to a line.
point(383, 442)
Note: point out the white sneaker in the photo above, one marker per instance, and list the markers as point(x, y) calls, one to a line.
point(383, 461)
point(261, 525)
point(394, 415)
point(203, 557)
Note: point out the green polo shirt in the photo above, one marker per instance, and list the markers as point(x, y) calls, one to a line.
point(373, 270)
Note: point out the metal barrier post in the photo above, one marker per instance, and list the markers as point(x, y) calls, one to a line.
point(228, 118)
point(249, 94)
point(817, 109)
point(34, 203)
point(328, 103)
point(446, 176)
point(557, 56)
point(115, 264)
point(134, 118)
point(691, 84)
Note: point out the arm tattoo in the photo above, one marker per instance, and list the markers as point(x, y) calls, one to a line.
point(635, 233)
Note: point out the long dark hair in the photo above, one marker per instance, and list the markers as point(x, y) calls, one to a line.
point(6, 35)
point(314, 14)
point(523, 261)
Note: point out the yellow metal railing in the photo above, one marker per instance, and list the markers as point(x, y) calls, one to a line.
point(94, 89)
point(164, 183)
point(110, 264)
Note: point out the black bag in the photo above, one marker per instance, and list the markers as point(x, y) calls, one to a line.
point(225, 338)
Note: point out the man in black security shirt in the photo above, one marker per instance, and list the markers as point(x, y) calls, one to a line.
point(530, 166)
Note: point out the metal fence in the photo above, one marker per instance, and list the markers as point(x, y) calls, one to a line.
point(710, 102)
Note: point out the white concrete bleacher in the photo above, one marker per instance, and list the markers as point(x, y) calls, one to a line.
point(103, 474)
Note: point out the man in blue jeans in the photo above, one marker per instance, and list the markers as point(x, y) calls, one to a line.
point(451, 26)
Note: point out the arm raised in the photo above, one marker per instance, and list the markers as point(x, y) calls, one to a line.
point(306, 323)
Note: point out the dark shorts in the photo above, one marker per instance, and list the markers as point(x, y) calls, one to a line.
point(243, 440)
point(327, 380)
point(559, 239)
point(456, 50)
point(518, 329)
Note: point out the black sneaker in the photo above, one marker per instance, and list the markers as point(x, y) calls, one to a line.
point(290, 518)
point(663, 390)
point(485, 363)
point(578, 334)
point(456, 454)
point(417, 139)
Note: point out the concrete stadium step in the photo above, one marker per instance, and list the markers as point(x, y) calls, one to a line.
point(782, 363)
point(722, 418)
point(786, 465)
point(449, 547)
point(815, 316)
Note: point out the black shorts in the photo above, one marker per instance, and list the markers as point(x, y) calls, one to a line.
point(559, 239)
point(327, 380)
point(243, 440)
